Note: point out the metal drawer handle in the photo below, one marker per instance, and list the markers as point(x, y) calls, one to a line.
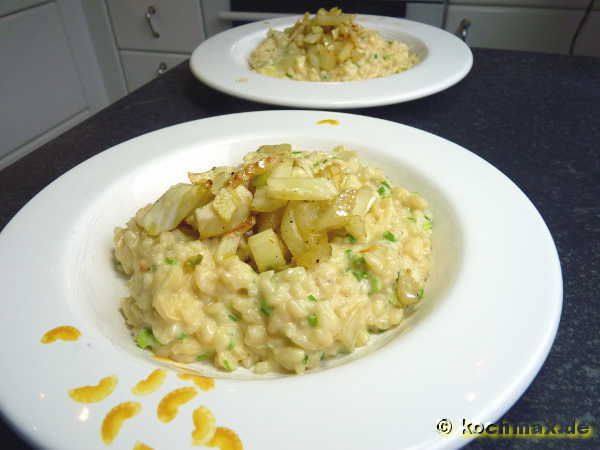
point(463, 29)
point(150, 12)
point(162, 68)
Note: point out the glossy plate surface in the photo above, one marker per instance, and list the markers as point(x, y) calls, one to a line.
point(489, 318)
point(222, 63)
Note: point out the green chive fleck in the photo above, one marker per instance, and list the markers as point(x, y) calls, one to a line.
point(203, 356)
point(388, 235)
point(226, 365)
point(420, 293)
point(384, 188)
point(192, 262)
point(305, 360)
point(182, 336)
point(296, 153)
point(375, 284)
point(351, 239)
point(312, 298)
point(231, 345)
point(145, 338)
point(264, 308)
point(233, 317)
point(313, 320)
point(170, 261)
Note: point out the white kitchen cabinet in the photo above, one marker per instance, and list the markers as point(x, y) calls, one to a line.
point(49, 79)
point(532, 29)
point(142, 67)
point(157, 25)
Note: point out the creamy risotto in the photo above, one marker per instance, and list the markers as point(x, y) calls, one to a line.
point(330, 46)
point(275, 264)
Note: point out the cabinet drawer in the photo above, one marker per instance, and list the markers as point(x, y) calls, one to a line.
point(157, 24)
point(142, 67)
point(542, 30)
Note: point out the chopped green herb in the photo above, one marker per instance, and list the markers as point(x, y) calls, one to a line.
point(375, 284)
point(375, 56)
point(351, 239)
point(384, 188)
point(203, 356)
point(145, 338)
point(386, 57)
point(233, 317)
point(393, 300)
point(288, 75)
point(296, 153)
point(390, 42)
point(170, 261)
point(312, 298)
point(323, 161)
point(388, 235)
point(182, 336)
point(154, 267)
point(427, 226)
point(192, 262)
point(265, 308)
point(305, 360)
point(313, 320)
point(420, 293)
point(231, 345)
point(226, 365)
point(412, 219)
point(360, 275)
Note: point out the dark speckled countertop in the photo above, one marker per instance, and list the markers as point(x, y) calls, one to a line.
point(535, 117)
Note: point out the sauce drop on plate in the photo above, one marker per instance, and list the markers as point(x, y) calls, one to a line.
point(112, 423)
point(92, 394)
point(154, 381)
point(328, 122)
point(169, 405)
point(141, 446)
point(226, 439)
point(205, 426)
point(204, 383)
point(64, 333)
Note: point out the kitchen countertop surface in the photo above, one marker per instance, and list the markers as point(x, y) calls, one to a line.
point(535, 117)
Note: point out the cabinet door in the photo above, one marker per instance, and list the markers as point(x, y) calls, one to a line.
point(142, 67)
point(157, 24)
point(543, 30)
point(588, 42)
point(39, 85)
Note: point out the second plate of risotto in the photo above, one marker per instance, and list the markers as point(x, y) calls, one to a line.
point(332, 59)
point(276, 279)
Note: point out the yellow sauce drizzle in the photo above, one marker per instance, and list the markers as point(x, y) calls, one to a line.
point(226, 439)
point(66, 333)
point(154, 381)
point(141, 446)
point(112, 423)
point(93, 394)
point(204, 383)
point(205, 426)
point(328, 122)
point(170, 403)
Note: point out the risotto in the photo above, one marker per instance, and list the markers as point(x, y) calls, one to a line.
point(274, 265)
point(330, 47)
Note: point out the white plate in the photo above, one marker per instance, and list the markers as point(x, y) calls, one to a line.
point(222, 63)
point(491, 313)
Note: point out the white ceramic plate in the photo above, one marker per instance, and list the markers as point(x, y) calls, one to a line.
point(222, 63)
point(489, 319)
